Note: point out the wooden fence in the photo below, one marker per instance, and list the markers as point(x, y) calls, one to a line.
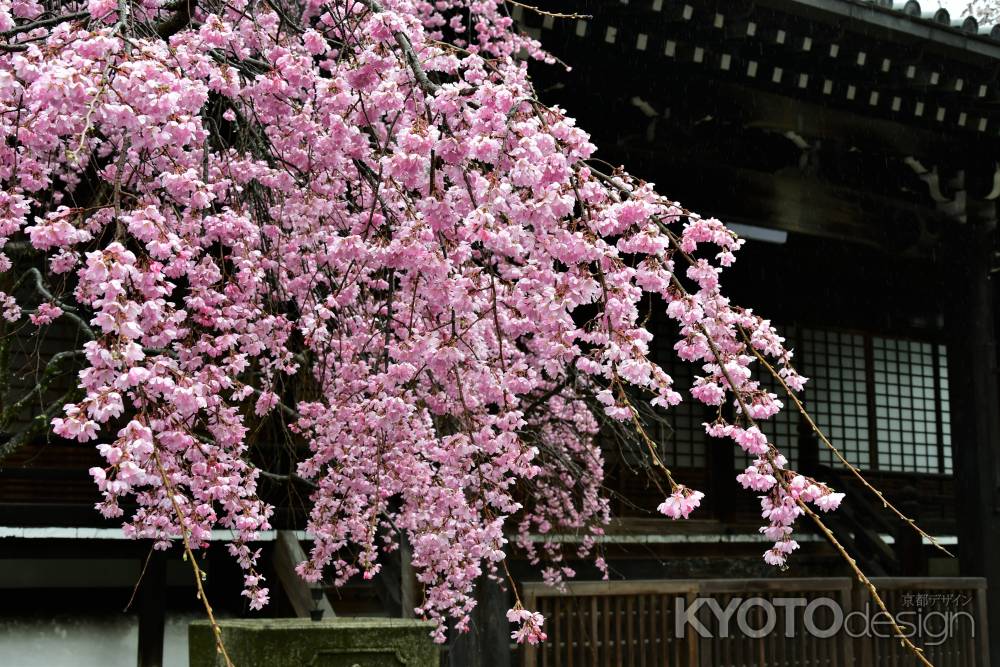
point(949, 612)
point(667, 623)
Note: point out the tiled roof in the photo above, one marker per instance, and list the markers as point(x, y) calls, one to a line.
point(929, 11)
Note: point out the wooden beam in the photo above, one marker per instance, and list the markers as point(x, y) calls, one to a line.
point(287, 554)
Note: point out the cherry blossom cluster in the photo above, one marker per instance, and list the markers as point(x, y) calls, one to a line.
point(529, 625)
point(781, 504)
point(681, 503)
point(355, 218)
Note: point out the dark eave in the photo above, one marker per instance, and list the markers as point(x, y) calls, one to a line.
point(825, 117)
point(836, 54)
point(907, 18)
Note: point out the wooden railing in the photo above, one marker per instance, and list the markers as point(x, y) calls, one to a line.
point(666, 623)
point(611, 623)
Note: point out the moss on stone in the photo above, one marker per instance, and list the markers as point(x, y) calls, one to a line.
point(294, 642)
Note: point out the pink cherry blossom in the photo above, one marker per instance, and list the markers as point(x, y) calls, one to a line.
point(681, 503)
point(45, 314)
point(529, 624)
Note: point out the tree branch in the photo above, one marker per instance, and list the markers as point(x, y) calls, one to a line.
point(291, 477)
point(45, 23)
point(38, 424)
point(409, 54)
point(67, 309)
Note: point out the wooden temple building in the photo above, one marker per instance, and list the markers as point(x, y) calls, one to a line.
point(856, 145)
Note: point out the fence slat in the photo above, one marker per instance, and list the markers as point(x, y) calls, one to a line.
point(557, 620)
point(606, 637)
point(618, 631)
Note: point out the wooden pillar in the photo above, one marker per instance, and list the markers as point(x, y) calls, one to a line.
point(970, 296)
point(152, 610)
point(407, 579)
point(808, 447)
point(909, 545)
point(487, 643)
point(722, 485)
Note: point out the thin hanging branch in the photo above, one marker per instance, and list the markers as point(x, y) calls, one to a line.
point(783, 482)
point(199, 575)
point(840, 457)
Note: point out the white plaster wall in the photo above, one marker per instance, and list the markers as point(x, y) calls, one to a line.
point(69, 641)
point(85, 641)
